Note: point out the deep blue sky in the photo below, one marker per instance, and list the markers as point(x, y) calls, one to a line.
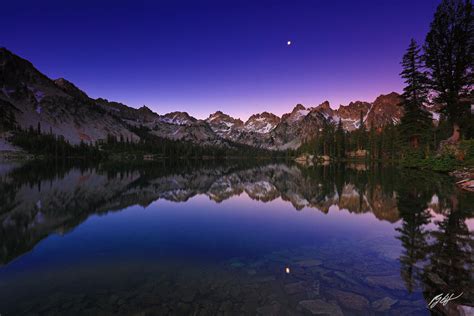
point(201, 56)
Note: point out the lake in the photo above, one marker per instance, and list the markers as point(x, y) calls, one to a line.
point(207, 238)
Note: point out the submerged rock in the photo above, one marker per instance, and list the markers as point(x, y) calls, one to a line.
point(320, 307)
point(383, 304)
point(392, 282)
point(293, 288)
point(313, 289)
point(344, 277)
point(350, 300)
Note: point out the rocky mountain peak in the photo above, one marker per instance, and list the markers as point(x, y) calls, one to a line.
point(145, 109)
point(265, 115)
point(323, 109)
point(216, 114)
point(385, 110)
point(70, 88)
point(221, 122)
point(390, 99)
point(350, 114)
point(298, 113)
point(298, 107)
point(324, 106)
point(262, 122)
point(178, 118)
point(221, 116)
point(145, 114)
point(18, 72)
point(355, 106)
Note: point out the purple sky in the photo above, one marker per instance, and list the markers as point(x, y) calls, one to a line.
point(201, 56)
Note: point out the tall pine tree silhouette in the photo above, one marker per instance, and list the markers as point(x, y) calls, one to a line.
point(449, 55)
point(417, 121)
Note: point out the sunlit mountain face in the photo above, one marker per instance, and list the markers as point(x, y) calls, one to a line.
point(241, 238)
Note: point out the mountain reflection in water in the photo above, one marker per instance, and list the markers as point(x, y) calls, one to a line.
point(423, 212)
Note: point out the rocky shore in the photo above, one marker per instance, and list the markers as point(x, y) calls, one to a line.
point(465, 177)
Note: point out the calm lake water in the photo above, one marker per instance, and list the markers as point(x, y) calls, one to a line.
point(213, 238)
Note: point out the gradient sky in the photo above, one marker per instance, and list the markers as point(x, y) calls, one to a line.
point(203, 56)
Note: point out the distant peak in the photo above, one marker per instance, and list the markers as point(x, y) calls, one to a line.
point(324, 105)
point(70, 88)
point(217, 114)
point(145, 109)
point(4, 52)
point(62, 82)
point(177, 117)
point(387, 97)
point(299, 107)
point(177, 113)
point(264, 115)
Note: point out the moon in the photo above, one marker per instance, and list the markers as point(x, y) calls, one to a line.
point(288, 43)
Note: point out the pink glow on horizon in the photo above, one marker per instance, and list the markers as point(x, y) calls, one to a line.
point(243, 109)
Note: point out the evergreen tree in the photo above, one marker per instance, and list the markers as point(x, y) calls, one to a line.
point(361, 133)
point(449, 55)
point(327, 136)
point(372, 146)
point(416, 123)
point(340, 141)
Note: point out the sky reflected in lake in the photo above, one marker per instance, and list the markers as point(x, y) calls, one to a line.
point(214, 238)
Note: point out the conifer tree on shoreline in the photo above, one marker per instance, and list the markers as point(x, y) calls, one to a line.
point(416, 123)
point(449, 56)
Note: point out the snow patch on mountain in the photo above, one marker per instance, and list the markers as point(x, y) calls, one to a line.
point(177, 118)
point(364, 119)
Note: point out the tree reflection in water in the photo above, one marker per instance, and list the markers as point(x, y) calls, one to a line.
point(39, 199)
point(438, 246)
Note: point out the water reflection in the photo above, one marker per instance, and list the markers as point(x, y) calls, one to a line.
point(439, 256)
point(37, 200)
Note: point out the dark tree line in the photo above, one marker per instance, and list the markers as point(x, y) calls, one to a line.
point(48, 144)
point(36, 141)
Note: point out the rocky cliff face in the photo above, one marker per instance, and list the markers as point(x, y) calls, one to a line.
point(385, 110)
point(261, 123)
point(350, 114)
point(224, 125)
point(53, 106)
point(62, 108)
point(127, 114)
